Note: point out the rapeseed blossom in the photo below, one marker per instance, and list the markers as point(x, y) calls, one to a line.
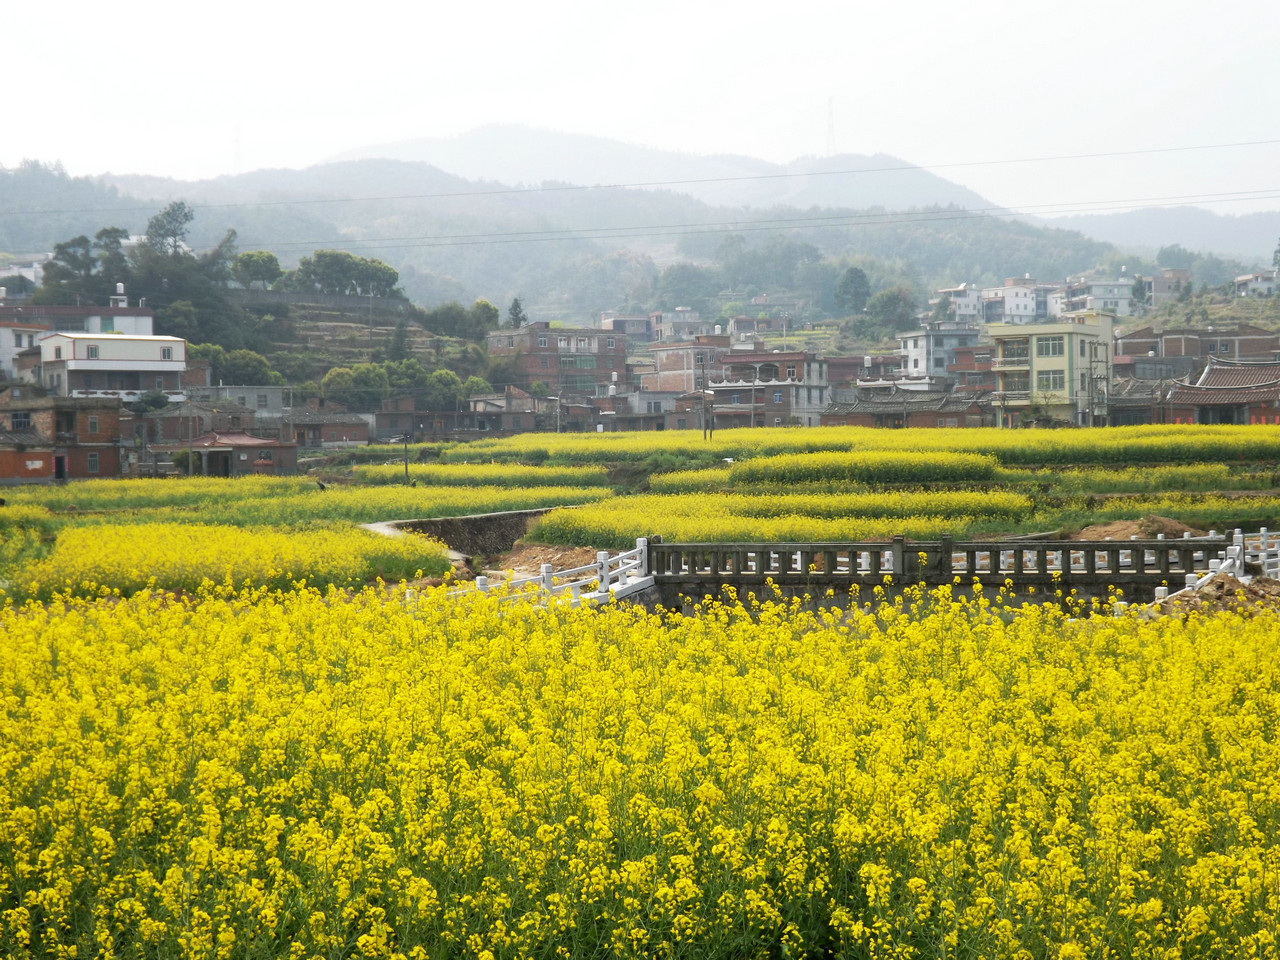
point(311, 773)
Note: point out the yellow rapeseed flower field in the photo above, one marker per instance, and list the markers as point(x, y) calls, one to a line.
point(311, 774)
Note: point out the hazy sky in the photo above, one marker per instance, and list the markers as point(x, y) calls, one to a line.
point(197, 90)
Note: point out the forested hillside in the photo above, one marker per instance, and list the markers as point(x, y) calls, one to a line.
point(568, 252)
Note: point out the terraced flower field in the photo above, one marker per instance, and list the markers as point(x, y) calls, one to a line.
point(221, 737)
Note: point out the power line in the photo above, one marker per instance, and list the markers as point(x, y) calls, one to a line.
point(888, 218)
point(560, 188)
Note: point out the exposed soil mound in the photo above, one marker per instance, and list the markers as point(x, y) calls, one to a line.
point(1147, 528)
point(1225, 592)
point(526, 559)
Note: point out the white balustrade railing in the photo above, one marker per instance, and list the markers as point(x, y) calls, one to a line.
point(610, 575)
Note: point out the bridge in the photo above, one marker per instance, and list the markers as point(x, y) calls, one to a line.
point(1140, 569)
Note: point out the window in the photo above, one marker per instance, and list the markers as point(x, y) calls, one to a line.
point(166, 353)
point(235, 423)
point(57, 353)
point(1082, 348)
point(791, 373)
point(1050, 346)
point(544, 363)
point(262, 401)
point(582, 343)
point(20, 420)
point(542, 341)
point(159, 383)
point(93, 424)
point(511, 341)
point(609, 342)
point(735, 398)
point(699, 358)
point(915, 363)
point(1050, 380)
point(562, 343)
point(17, 339)
point(108, 325)
point(682, 424)
point(1084, 383)
point(516, 424)
point(240, 401)
point(777, 396)
point(92, 464)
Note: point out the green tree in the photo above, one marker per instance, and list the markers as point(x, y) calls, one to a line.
point(941, 309)
point(399, 348)
point(516, 317)
point(244, 367)
point(167, 230)
point(338, 386)
point(405, 378)
point(256, 266)
point(852, 291)
point(444, 390)
point(1275, 257)
point(485, 316)
point(892, 309)
point(371, 386)
point(476, 385)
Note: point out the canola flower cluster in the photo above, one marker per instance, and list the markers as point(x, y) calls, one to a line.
point(1160, 443)
point(126, 558)
point(808, 517)
point(313, 775)
point(483, 474)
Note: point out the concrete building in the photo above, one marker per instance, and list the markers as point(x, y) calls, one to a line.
point(1107, 296)
point(929, 350)
point(1256, 284)
point(681, 366)
point(770, 389)
point(1020, 300)
point(1058, 370)
point(682, 323)
point(87, 364)
point(966, 302)
point(15, 337)
point(569, 360)
point(83, 437)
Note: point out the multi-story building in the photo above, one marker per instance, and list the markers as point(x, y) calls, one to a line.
point(682, 323)
point(86, 364)
point(1110, 296)
point(966, 302)
point(928, 351)
point(1020, 300)
point(118, 317)
point(1256, 284)
point(770, 389)
point(569, 360)
point(76, 437)
point(1059, 370)
point(682, 366)
point(15, 337)
point(1157, 291)
point(638, 327)
point(1243, 341)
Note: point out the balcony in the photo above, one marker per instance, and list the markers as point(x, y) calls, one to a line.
point(1011, 363)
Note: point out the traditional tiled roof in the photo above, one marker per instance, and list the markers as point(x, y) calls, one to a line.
point(23, 438)
point(913, 401)
point(1231, 382)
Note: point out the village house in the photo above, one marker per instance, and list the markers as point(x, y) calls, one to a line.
point(75, 437)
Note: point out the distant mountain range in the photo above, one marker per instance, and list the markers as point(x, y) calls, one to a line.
point(471, 216)
point(1249, 236)
point(525, 155)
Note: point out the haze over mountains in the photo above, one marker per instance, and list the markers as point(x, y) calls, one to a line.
point(524, 155)
point(473, 216)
